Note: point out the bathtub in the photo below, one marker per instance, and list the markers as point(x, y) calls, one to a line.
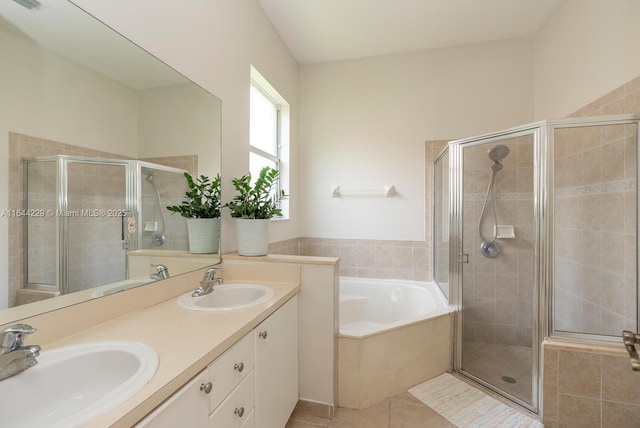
point(371, 306)
point(393, 335)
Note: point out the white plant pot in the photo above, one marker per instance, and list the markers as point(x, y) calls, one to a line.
point(204, 235)
point(253, 236)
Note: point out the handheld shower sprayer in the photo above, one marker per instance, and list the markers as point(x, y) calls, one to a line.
point(158, 233)
point(489, 247)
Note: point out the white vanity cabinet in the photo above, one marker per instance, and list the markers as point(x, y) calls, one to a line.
point(277, 366)
point(188, 407)
point(252, 384)
point(232, 397)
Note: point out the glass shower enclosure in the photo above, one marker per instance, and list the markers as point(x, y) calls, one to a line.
point(83, 214)
point(542, 243)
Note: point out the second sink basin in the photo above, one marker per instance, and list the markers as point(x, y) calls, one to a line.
point(227, 297)
point(72, 385)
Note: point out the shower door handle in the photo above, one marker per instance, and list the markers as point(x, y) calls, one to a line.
point(630, 339)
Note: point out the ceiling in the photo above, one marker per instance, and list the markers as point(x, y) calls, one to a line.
point(332, 30)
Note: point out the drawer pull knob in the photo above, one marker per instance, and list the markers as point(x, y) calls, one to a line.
point(263, 334)
point(206, 387)
point(239, 367)
point(239, 412)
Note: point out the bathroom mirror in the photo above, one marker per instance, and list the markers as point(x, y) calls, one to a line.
point(72, 86)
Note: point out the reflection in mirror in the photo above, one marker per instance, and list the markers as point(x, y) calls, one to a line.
point(97, 133)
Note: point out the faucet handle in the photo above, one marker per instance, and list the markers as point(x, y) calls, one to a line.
point(210, 273)
point(14, 336)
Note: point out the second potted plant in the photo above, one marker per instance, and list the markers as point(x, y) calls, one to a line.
point(253, 207)
point(201, 208)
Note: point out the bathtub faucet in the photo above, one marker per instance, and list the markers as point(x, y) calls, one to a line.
point(15, 357)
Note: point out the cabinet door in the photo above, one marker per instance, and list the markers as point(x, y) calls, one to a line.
point(277, 366)
point(188, 407)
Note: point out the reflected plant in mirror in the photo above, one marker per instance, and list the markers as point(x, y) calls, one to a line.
point(201, 208)
point(119, 117)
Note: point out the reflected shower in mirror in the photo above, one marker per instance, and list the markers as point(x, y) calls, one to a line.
point(75, 88)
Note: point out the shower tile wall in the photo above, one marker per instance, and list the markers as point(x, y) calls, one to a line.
point(576, 402)
point(172, 189)
point(595, 229)
point(595, 173)
point(498, 292)
point(96, 254)
point(20, 147)
point(589, 388)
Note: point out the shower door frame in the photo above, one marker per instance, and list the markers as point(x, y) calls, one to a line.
point(543, 230)
point(457, 257)
point(63, 206)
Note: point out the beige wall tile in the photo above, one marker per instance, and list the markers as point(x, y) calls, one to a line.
point(580, 373)
point(619, 383)
point(620, 415)
point(578, 412)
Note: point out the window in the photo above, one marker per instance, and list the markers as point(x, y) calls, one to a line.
point(268, 132)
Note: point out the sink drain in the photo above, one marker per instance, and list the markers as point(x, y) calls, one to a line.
point(508, 379)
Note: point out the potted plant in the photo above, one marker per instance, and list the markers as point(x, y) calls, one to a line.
point(252, 207)
point(201, 208)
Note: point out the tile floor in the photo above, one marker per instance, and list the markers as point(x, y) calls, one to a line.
point(400, 411)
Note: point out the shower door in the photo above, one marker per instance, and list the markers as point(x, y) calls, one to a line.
point(92, 230)
point(496, 343)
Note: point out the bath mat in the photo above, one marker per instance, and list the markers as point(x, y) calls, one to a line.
point(468, 407)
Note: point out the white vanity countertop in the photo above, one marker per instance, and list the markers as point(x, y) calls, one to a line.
point(186, 342)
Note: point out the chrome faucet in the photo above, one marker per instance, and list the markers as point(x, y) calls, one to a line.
point(207, 283)
point(161, 272)
point(14, 355)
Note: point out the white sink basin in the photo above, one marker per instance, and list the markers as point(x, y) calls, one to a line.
point(72, 385)
point(227, 297)
point(123, 285)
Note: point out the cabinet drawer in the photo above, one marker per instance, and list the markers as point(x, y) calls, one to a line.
point(226, 372)
point(251, 421)
point(237, 408)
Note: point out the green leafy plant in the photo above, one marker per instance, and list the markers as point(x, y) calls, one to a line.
point(202, 199)
point(260, 201)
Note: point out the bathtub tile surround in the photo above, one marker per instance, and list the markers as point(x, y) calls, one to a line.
point(381, 365)
point(366, 258)
point(393, 335)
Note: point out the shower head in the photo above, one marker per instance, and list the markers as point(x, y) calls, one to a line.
point(498, 153)
point(149, 175)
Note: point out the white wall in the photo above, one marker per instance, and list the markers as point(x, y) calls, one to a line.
point(363, 124)
point(214, 43)
point(180, 120)
point(587, 49)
